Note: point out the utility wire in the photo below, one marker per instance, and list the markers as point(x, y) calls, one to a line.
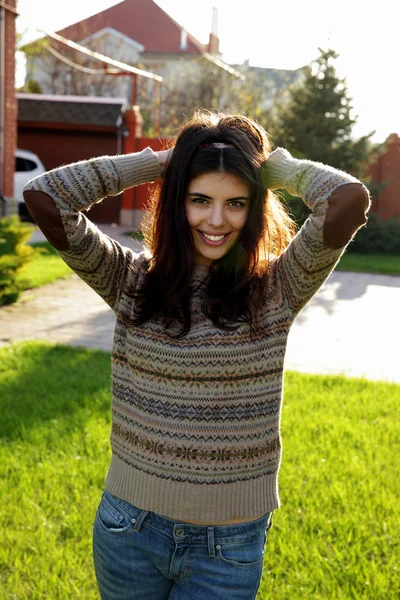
point(81, 68)
point(104, 59)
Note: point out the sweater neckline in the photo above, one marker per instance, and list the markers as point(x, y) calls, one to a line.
point(200, 272)
point(201, 269)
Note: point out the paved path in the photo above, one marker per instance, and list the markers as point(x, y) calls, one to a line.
point(351, 326)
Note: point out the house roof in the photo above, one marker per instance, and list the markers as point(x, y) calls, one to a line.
point(72, 110)
point(141, 20)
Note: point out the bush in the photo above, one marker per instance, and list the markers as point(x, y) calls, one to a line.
point(14, 254)
point(377, 237)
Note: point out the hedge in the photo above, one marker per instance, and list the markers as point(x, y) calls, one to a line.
point(14, 254)
point(377, 237)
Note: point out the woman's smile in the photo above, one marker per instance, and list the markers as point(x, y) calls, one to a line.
point(214, 239)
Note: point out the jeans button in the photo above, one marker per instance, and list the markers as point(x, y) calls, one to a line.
point(179, 532)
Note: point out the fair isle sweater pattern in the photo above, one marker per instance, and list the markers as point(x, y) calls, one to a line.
point(195, 421)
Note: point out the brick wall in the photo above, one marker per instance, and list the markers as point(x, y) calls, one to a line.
point(386, 170)
point(10, 101)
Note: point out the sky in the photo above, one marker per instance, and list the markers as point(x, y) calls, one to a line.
point(281, 35)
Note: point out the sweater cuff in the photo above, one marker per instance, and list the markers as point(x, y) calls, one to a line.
point(137, 168)
point(278, 168)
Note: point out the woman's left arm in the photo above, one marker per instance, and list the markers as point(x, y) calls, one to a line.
point(339, 204)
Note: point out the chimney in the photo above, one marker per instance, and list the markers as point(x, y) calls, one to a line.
point(183, 45)
point(213, 44)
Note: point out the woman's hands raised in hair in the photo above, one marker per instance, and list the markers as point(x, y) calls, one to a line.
point(164, 156)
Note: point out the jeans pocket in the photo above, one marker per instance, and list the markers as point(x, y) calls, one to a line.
point(245, 555)
point(112, 517)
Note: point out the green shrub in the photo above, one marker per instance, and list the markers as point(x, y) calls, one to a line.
point(14, 254)
point(377, 237)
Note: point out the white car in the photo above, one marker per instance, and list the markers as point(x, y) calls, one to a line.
point(27, 166)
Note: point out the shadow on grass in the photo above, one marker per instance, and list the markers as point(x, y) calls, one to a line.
point(95, 332)
point(42, 383)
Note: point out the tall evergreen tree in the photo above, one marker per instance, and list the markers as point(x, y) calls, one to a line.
point(316, 121)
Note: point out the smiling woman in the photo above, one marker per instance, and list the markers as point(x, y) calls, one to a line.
point(217, 206)
point(213, 210)
point(203, 317)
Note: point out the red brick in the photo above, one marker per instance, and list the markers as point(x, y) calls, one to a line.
point(386, 170)
point(10, 102)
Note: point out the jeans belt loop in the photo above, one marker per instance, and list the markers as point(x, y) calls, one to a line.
point(210, 537)
point(140, 520)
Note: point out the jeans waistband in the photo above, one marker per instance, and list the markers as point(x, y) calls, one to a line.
point(181, 531)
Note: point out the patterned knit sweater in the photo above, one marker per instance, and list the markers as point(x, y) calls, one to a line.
point(196, 421)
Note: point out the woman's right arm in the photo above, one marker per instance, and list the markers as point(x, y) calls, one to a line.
point(56, 199)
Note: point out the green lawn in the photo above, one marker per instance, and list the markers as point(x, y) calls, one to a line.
point(387, 264)
point(48, 266)
point(45, 267)
point(335, 537)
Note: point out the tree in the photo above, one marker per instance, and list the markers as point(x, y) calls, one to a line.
point(316, 121)
point(57, 69)
point(195, 84)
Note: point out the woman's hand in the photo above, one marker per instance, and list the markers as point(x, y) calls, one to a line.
point(164, 156)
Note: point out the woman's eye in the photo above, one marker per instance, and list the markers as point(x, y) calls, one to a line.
point(236, 204)
point(199, 200)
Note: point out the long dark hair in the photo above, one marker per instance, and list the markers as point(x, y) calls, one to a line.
point(235, 281)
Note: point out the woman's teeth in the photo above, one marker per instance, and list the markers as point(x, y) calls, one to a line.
point(214, 238)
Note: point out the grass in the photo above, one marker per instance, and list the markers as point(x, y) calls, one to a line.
point(45, 267)
point(387, 264)
point(335, 537)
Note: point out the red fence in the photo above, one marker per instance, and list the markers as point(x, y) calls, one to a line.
point(135, 200)
point(143, 192)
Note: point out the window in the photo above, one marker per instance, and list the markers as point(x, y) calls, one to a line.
point(24, 164)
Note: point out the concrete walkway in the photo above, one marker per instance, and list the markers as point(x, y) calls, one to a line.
point(351, 326)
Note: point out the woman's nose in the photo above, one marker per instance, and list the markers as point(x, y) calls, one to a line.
point(216, 216)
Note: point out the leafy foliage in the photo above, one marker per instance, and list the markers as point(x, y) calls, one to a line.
point(14, 254)
point(378, 237)
point(66, 71)
point(316, 122)
point(190, 85)
point(317, 119)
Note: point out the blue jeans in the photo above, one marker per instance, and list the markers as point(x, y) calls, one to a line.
point(139, 555)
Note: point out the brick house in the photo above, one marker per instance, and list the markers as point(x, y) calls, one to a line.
point(137, 32)
point(8, 101)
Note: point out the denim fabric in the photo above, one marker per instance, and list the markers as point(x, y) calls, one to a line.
point(139, 555)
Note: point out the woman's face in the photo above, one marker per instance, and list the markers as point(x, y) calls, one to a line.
point(216, 205)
